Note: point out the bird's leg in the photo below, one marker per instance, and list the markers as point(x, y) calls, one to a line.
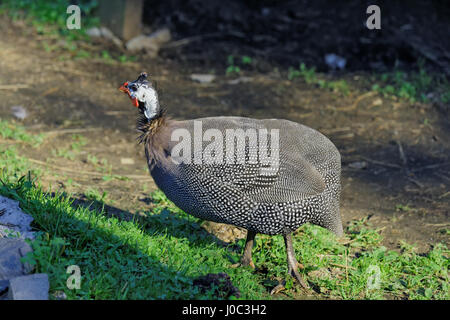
point(247, 256)
point(292, 266)
point(292, 262)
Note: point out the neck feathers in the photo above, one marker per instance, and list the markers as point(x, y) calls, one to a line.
point(148, 127)
point(155, 135)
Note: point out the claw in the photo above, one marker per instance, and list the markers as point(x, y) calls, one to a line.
point(247, 263)
point(280, 287)
point(293, 264)
point(243, 264)
point(300, 280)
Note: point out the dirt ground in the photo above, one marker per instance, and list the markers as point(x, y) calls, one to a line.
point(395, 155)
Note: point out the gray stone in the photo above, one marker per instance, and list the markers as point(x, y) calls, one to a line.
point(151, 43)
point(11, 251)
point(19, 112)
point(94, 32)
point(59, 295)
point(105, 33)
point(31, 287)
point(358, 165)
point(13, 221)
point(203, 78)
point(240, 80)
point(334, 61)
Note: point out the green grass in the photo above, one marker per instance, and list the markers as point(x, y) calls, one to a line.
point(310, 76)
point(158, 254)
point(124, 58)
point(49, 17)
point(11, 131)
point(235, 64)
point(413, 86)
point(70, 152)
point(232, 66)
point(155, 258)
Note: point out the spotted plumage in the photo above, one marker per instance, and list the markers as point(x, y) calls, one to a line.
point(303, 187)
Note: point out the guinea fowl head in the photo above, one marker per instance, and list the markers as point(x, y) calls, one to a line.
point(151, 116)
point(143, 96)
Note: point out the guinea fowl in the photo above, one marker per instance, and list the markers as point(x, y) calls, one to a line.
point(291, 176)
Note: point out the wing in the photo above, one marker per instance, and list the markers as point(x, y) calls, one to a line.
point(292, 178)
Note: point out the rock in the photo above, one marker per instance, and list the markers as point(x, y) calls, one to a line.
point(94, 32)
point(107, 34)
point(162, 35)
point(358, 165)
point(377, 102)
point(126, 161)
point(31, 287)
point(59, 295)
point(334, 61)
point(104, 33)
point(14, 220)
point(151, 43)
point(203, 78)
point(11, 251)
point(139, 42)
point(240, 80)
point(19, 112)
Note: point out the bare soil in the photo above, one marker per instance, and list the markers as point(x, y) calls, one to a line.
point(395, 154)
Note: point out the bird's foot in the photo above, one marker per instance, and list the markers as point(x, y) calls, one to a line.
point(298, 277)
point(293, 264)
point(244, 263)
point(282, 286)
point(247, 263)
point(278, 288)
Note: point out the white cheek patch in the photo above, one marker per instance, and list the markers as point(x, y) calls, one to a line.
point(150, 98)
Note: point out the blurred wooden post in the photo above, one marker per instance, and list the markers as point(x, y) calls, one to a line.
point(122, 17)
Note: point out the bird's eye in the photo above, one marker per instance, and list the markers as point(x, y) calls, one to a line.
point(133, 87)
